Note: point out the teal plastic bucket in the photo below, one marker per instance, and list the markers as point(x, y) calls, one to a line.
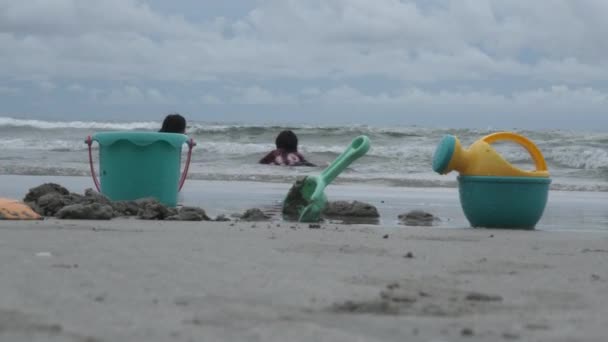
point(135, 165)
point(503, 202)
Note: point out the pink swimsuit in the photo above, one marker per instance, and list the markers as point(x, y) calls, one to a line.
point(281, 157)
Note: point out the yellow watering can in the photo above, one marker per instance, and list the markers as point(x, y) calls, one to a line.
point(494, 193)
point(481, 159)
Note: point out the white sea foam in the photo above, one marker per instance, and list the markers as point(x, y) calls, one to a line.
point(41, 124)
point(399, 156)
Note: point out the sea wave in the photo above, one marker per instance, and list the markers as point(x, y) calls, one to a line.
point(354, 178)
point(230, 152)
point(95, 125)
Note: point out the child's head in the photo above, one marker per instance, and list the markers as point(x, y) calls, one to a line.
point(288, 141)
point(174, 123)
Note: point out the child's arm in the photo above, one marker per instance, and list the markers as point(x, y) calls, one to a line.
point(269, 158)
point(303, 161)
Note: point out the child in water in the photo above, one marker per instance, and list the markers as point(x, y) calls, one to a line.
point(174, 123)
point(286, 152)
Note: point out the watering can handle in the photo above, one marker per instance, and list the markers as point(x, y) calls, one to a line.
point(89, 141)
point(182, 179)
point(526, 143)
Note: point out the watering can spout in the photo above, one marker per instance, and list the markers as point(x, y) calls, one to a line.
point(449, 156)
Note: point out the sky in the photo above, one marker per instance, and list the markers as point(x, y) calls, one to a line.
point(447, 63)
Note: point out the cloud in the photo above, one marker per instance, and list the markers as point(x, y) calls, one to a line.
point(312, 92)
point(259, 95)
point(10, 91)
point(46, 85)
point(72, 18)
point(435, 56)
point(75, 88)
point(416, 41)
point(553, 99)
point(130, 94)
point(156, 96)
point(210, 99)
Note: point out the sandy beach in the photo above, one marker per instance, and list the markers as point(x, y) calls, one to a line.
point(372, 119)
point(136, 280)
point(131, 280)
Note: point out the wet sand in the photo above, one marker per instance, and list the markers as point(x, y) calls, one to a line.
point(566, 210)
point(132, 280)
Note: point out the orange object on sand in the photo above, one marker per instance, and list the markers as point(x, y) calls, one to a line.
point(11, 209)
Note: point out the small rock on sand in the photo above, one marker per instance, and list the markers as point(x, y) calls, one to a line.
point(418, 218)
point(35, 193)
point(50, 203)
point(254, 214)
point(371, 307)
point(467, 332)
point(350, 209)
point(152, 209)
point(482, 297)
point(125, 208)
point(509, 335)
point(52, 199)
point(190, 214)
point(79, 211)
point(222, 218)
point(48, 198)
point(294, 200)
point(93, 196)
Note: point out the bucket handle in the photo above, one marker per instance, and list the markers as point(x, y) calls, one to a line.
point(182, 179)
point(89, 141)
point(526, 143)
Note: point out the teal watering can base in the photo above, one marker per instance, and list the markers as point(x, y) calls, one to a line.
point(136, 165)
point(503, 202)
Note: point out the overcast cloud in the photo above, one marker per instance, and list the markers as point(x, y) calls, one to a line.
point(465, 63)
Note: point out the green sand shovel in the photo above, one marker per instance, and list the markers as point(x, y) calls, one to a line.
point(308, 197)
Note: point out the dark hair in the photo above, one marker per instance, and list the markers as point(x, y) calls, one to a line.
point(174, 123)
point(288, 141)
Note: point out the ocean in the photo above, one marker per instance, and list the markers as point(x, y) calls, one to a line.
point(399, 157)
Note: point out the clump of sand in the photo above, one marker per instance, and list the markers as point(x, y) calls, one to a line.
point(350, 209)
point(418, 218)
point(254, 214)
point(294, 201)
point(54, 200)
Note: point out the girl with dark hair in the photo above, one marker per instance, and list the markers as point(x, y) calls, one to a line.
point(286, 152)
point(174, 123)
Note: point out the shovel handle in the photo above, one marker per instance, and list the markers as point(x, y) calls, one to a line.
point(358, 147)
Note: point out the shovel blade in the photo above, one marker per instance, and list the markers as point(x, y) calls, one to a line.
point(310, 213)
point(300, 197)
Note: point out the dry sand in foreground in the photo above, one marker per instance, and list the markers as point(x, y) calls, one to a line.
point(131, 280)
